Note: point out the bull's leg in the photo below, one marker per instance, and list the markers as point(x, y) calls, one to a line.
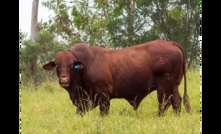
point(81, 102)
point(80, 110)
point(104, 107)
point(164, 99)
point(104, 104)
point(176, 100)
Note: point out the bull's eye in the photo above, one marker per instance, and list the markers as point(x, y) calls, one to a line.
point(76, 66)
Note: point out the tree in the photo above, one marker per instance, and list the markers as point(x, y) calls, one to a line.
point(34, 27)
point(34, 20)
point(78, 21)
point(127, 26)
point(42, 46)
point(44, 49)
point(178, 20)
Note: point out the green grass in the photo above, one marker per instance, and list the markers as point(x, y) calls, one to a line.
point(49, 110)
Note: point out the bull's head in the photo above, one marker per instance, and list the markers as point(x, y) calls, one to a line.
point(66, 65)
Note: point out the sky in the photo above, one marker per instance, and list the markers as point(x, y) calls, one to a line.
point(25, 9)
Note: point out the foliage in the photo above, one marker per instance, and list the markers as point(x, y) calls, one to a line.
point(179, 21)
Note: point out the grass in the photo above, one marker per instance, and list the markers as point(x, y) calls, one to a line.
point(49, 110)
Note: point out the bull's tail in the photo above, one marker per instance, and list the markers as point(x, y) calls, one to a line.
point(185, 95)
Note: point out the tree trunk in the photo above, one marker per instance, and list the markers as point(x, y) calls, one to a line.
point(34, 20)
point(34, 28)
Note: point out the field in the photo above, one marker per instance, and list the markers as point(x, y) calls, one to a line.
point(48, 110)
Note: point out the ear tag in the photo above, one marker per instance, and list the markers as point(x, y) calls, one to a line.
point(76, 66)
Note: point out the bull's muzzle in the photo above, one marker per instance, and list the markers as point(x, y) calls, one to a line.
point(64, 81)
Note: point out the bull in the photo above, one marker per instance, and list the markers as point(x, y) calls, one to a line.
point(94, 75)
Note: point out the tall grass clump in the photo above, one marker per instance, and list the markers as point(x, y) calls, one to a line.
point(49, 110)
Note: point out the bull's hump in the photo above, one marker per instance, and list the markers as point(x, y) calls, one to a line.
point(82, 52)
point(79, 46)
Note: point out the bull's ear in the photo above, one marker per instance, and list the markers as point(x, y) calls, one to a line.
point(50, 65)
point(78, 65)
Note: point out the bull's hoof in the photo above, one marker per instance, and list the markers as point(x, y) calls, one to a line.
point(161, 113)
point(177, 111)
point(81, 113)
point(103, 113)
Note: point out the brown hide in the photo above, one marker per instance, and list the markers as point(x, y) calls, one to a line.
point(94, 75)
